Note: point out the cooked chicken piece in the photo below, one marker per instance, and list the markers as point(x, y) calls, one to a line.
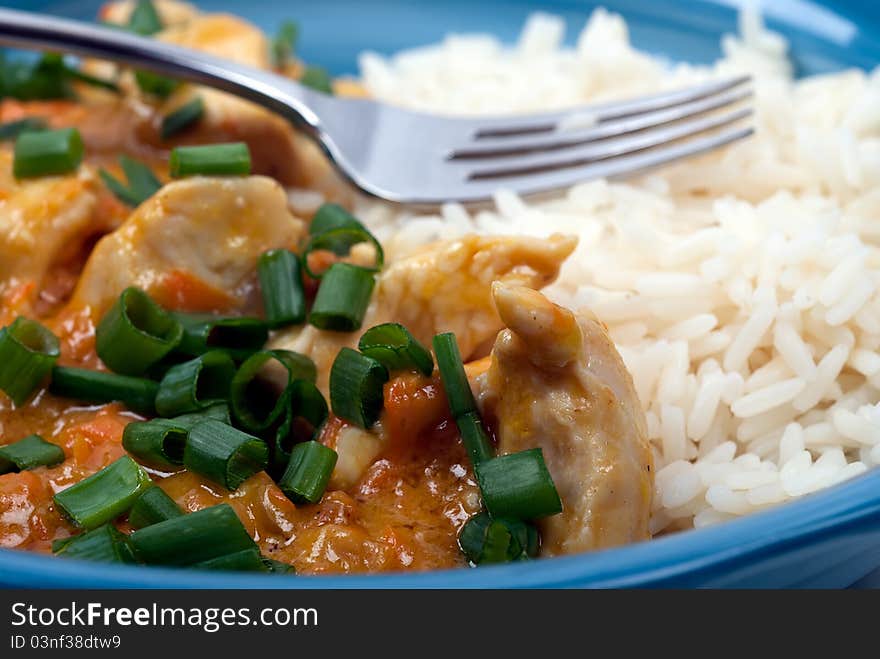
point(446, 287)
point(557, 382)
point(44, 222)
point(212, 230)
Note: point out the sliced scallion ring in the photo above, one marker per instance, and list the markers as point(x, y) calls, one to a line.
point(233, 159)
point(105, 544)
point(308, 472)
point(237, 335)
point(105, 495)
point(28, 351)
point(518, 485)
point(357, 387)
point(455, 382)
point(152, 507)
point(136, 333)
point(223, 454)
point(336, 230)
point(342, 298)
point(157, 443)
point(97, 387)
point(487, 540)
point(246, 560)
point(47, 153)
point(29, 453)
point(397, 349)
point(195, 385)
point(182, 118)
point(193, 538)
point(284, 300)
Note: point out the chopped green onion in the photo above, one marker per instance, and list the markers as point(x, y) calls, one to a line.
point(182, 118)
point(47, 153)
point(97, 387)
point(308, 472)
point(396, 348)
point(246, 560)
point(474, 437)
point(260, 396)
point(28, 351)
point(152, 507)
point(136, 333)
point(142, 183)
point(196, 384)
point(9, 130)
point(223, 454)
point(105, 495)
point(155, 84)
point(193, 538)
point(518, 485)
point(283, 44)
point(357, 387)
point(236, 335)
point(487, 540)
point(105, 544)
point(318, 79)
point(335, 229)
point(29, 453)
point(217, 412)
point(277, 567)
point(233, 159)
point(342, 298)
point(455, 382)
point(156, 443)
point(40, 79)
point(284, 299)
point(81, 76)
point(144, 19)
point(307, 413)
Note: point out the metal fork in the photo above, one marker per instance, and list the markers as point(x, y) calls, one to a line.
point(411, 157)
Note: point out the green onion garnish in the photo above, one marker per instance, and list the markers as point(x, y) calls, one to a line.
point(224, 454)
point(518, 485)
point(474, 437)
point(246, 560)
point(487, 540)
point(152, 507)
point(455, 382)
point(136, 333)
point(144, 19)
point(236, 335)
point(156, 443)
point(28, 351)
point(182, 118)
point(104, 495)
point(232, 159)
point(155, 84)
point(357, 387)
point(308, 412)
point(47, 153)
point(308, 472)
point(193, 538)
point(335, 229)
point(142, 183)
point(284, 299)
point(105, 544)
point(28, 453)
point(196, 384)
point(40, 79)
point(396, 348)
point(139, 394)
point(318, 79)
point(258, 399)
point(217, 412)
point(342, 298)
point(283, 44)
point(11, 129)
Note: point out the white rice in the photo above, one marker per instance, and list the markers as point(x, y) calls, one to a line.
point(741, 288)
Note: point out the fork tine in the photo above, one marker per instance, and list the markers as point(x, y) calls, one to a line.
point(565, 139)
point(627, 165)
point(591, 153)
point(506, 127)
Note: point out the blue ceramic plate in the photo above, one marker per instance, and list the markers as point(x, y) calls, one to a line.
point(829, 539)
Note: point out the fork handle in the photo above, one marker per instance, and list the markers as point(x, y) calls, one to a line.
point(274, 92)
